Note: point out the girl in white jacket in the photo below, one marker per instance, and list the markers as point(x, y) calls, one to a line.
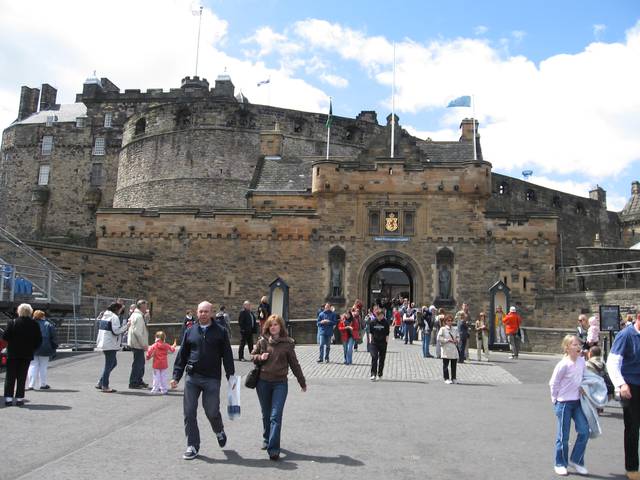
point(109, 340)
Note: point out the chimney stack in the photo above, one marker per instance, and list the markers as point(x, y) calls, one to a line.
point(28, 102)
point(467, 129)
point(48, 97)
point(599, 194)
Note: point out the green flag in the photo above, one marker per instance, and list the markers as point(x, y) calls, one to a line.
point(330, 117)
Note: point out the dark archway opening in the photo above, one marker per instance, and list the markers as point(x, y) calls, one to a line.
point(387, 282)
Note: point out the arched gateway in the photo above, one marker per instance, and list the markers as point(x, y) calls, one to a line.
point(388, 273)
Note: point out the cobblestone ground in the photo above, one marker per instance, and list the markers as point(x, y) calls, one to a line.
point(403, 363)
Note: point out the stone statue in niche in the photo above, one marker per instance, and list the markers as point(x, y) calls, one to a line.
point(444, 282)
point(336, 279)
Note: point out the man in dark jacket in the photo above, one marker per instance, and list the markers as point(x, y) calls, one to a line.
point(205, 348)
point(247, 321)
point(24, 337)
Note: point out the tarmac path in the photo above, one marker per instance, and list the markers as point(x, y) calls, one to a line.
point(496, 423)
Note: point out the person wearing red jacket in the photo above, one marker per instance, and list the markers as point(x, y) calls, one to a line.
point(160, 352)
point(350, 333)
point(512, 323)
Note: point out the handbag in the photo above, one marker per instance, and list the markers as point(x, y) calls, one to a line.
point(251, 380)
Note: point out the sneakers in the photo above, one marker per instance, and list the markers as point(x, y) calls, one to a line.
point(633, 475)
point(448, 382)
point(579, 468)
point(20, 402)
point(560, 470)
point(136, 387)
point(454, 381)
point(373, 378)
point(319, 361)
point(45, 387)
point(190, 453)
point(222, 438)
point(8, 403)
point(275, 457)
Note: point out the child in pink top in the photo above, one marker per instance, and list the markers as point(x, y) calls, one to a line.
point(593, 333)
point(160, 352)
point(565, 395)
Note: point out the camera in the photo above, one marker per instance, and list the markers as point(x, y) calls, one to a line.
point(189, 368)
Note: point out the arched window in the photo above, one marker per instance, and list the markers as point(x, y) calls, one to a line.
point(556, 202)
point(503, 188)
point(580, 210)
point(141, 126)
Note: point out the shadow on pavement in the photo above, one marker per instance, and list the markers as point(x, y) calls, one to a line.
point(287, 460)
point(57, 390)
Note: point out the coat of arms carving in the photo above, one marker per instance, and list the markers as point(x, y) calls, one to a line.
point(391, 222)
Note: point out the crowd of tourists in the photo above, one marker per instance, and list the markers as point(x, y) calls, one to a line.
point(581, 383)
point(448, 334)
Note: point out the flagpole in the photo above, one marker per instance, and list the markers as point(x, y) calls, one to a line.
point(329, 128)
point(473, 105)
point(393, 102)
point(198, 44)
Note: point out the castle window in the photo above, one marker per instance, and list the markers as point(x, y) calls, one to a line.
point(556, 202)
point(183, 118)
point(503, 188)
point(47, 144)
point(108, 117)
point(580, 210)
point(408, 228)
point(96, 178)
point(374, 223)
point(530, 196)
point(99, 146)
point(81, 122)
point(524, 284)
point(50, 120)
point(43, 174)
point(141, 126)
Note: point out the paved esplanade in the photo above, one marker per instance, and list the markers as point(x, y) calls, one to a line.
point(498, 423)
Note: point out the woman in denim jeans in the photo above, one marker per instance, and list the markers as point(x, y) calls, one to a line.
point(275, 352)
point(565, 395)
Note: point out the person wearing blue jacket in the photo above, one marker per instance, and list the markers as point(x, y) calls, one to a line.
point(327, 320)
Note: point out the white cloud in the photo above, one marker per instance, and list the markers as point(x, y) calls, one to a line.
point(518, 35)
point(270, 42)
point(572, 113)
point(59, 46)
point(480, 30)
point(334, 80)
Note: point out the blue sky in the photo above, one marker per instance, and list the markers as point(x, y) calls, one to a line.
point(555, 82)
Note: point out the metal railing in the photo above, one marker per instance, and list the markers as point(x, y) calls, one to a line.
point(577, 274)
point(33, 284)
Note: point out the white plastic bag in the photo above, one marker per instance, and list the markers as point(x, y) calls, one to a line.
point(233, 397)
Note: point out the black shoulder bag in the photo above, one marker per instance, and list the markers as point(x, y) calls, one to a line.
point(251, 380)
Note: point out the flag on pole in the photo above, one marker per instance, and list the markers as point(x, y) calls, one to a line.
point(264, 82)
point(464, 101)
point(330, 116)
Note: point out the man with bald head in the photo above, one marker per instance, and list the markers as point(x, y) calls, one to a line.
point(205, 348)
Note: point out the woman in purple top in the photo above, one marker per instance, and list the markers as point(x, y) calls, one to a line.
point(565, 395)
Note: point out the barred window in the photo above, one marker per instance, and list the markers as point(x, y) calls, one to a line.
point(47, 145)
point(50, 120)
point(107, 119)
point(43, 174)
point(99, 146)
point(374, 223)
point(81, 122)
point(409, 228)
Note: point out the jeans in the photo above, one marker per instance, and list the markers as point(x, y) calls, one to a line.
point(17, 369)
point(137, 367)
point(445, 368)
point(378, 354)
point(110, 363)
point(210, 389)
point(426, 340)
point(348, 350)
point(246, 338)
point(631, 416)
point(324, 340)
point(462, 348)
point(409, 332)
point(272, 396)
point(565, 411)
point(513, 344)
point(38, 371)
